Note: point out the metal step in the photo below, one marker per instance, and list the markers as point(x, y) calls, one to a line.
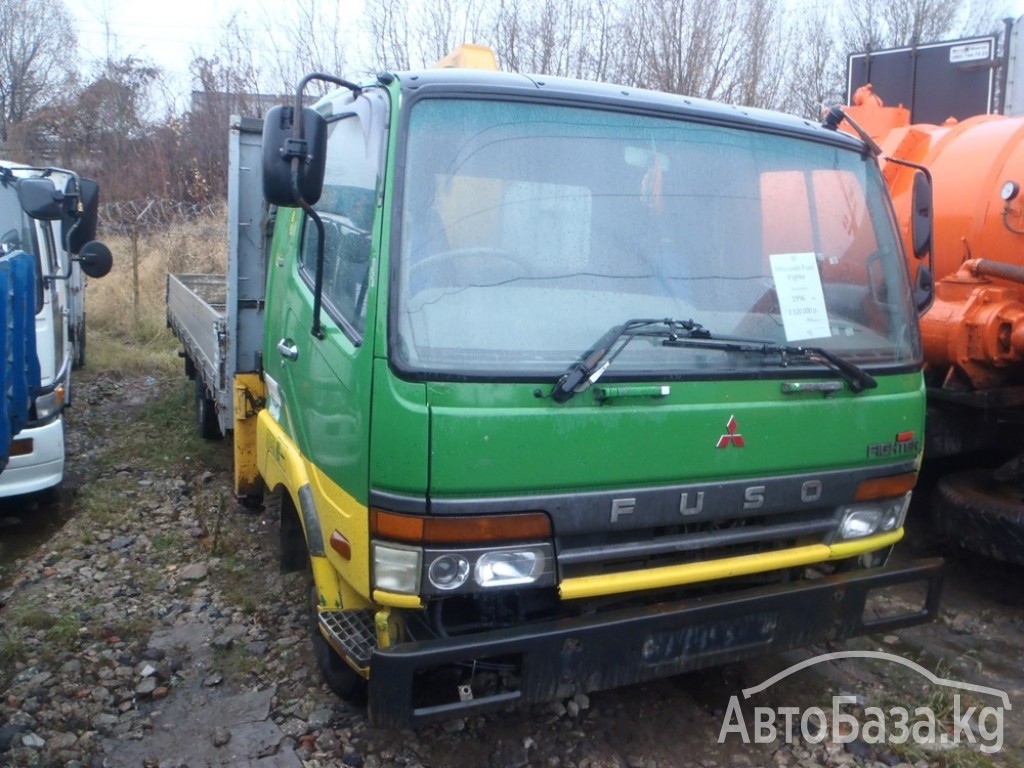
point(352, 631)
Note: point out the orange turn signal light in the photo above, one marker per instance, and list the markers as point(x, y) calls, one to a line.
point(341, 545)
point(881, 487)
point(459, 530)
point(22, 447)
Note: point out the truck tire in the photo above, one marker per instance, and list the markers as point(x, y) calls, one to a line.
point(974, 511)
point(206, 414)
point(78, 347)
point(344, 682)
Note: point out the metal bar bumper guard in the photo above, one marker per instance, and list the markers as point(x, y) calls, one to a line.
point(605, 650)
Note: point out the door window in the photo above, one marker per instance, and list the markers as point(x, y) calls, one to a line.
point(346, 207)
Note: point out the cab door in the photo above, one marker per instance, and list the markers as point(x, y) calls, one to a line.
point(324, 379)
point(51, 307)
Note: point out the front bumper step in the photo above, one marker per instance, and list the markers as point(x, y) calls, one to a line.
point(350, 633)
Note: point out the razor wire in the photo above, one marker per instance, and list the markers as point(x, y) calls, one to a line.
point(127, 217)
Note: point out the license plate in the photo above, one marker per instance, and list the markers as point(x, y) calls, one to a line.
point(697, 640)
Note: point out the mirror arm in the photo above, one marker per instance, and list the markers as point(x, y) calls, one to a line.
point(836, 115)
point(318, 282)
point(295, 148)
point(928, 175)
point(909, 164)
point(65, 276)
point(67, 238)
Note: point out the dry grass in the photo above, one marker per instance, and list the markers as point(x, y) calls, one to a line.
point(126, 310)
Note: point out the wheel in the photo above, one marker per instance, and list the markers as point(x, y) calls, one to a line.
point(206, 414)
point(344, 682)
point(78, 347)
point(974, 511)
point(486, 266)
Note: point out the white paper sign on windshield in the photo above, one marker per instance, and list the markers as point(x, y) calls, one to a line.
point(801, 299)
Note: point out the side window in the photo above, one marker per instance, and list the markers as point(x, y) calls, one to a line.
point(347, 207)
point(46, 247)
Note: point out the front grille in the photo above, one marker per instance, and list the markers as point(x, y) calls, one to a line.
point(616, 551)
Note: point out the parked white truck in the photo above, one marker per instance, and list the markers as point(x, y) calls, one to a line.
point(47, 216)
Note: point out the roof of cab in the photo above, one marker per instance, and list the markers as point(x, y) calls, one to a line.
point(584, 92)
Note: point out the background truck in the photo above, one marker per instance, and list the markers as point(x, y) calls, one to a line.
point(48, 219)
point(556, 386)
point(19, 373)
point(973, 335)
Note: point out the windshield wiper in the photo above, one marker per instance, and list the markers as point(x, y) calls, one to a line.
point(688, 333)
point(857, 378)
point(595, 361)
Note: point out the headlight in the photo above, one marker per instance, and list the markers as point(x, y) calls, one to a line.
point(451, 570)
point(49, 404)
point(448, 572)
point(508, 568)
point(859, 523)
point(869, 518)
point(444, 555)
point(396, 569)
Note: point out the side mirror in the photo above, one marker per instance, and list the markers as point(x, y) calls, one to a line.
point(40, 199)
point(284, 184)
point(79, 227)
point(924, 289)
point(95, 258)
point(921, 215)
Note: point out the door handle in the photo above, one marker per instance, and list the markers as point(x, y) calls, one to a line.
point(288, 349)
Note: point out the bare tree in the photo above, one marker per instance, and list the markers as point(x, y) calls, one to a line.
point(871, 25)
point(828, 34)
point(689, 47)
point(101, 130)
point(35, 61)
point(818, 63)
point(389, 31)
point(314, 41)
point(763, 70)
point(571, 38)
point(445, 24)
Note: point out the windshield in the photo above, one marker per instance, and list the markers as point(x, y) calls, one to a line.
point(17, 232)
point(14, 225)
point(527, 230)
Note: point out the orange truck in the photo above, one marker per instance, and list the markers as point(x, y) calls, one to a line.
point(973, 334)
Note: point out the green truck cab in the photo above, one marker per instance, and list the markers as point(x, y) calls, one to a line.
point(564, 386)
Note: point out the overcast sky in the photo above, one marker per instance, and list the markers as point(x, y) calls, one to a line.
point(169, 34)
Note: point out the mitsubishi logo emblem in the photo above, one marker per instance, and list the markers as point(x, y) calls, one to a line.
point(731, 437)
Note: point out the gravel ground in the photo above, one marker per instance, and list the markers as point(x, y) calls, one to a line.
point(153, 629)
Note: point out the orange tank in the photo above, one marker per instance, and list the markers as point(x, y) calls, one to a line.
point(974, 332)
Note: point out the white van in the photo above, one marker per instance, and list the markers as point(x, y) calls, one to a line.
point(51, 214)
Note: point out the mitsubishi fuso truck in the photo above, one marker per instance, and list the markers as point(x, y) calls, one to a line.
point(555, 386)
